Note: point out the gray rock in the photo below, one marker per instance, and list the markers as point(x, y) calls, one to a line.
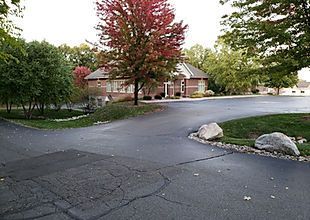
point(210, 132)
point(301, 141)
point(277, 142)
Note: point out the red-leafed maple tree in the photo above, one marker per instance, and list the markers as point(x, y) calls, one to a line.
point(143, 40)
point(80, 72)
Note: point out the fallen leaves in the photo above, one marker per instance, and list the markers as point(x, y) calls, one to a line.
point(247, 198)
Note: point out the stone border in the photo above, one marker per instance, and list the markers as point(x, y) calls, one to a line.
point(248, 150)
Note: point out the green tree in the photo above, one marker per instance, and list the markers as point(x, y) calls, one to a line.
point(51, 74)
point(81, 55)
point(277, 31)
point(280, 80)
point(197, 55)
point(39, 78)
point(8, 31)
point(232, 70)
point(10, 71)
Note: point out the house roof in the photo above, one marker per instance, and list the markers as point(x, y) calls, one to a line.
point(194, 72)
point(189, 71)
point(303, 84)
point(98, 74)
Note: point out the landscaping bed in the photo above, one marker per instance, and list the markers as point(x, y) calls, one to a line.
point(64, 119)
point(245, 131)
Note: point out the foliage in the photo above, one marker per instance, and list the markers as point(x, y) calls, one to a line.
point(178, 94)
point(143, 39)
point(80, 72)
point(198, 56)
point(232, 70)
point(80, 56)
point(10, 71)
point(278, 81)
point(38, 79)
point(8, 31)
point(275, 30)
point(197, 95)
point(245, 131)
point(209, 93)
point(158, 97)
point(147, 97)
point(81, 95)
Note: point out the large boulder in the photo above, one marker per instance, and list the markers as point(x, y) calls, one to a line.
point(277, 142)
point(210, 131)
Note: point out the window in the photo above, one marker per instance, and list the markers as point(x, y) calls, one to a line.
point(201, 86)
point(109, 86)
point(99, 84)
point(182, 86)
point(293, 91)
point(302, 91)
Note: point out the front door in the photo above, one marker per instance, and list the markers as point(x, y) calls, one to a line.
point(166, 86)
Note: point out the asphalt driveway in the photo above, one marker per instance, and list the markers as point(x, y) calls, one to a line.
point(147, 168)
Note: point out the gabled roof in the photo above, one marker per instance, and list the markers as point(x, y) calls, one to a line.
point(189, 71)
point(194, 72)
point(303, 84)
point(98, 74)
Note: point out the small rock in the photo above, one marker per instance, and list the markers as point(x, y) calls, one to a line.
point(1, 179)
point(196, 174)
point(272, 196)
point(301, 141)
point(286, 188)
point(271, 178)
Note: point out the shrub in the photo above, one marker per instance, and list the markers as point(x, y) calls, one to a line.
point(197, 95)
point(209, 93)
point(178, 94)
point(147, 97)
point(255, 91)
point(162, 94)
point(174, 97)
point(125, 99)
point(158, 97)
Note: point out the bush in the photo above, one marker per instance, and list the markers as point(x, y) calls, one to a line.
point(178, 94)
point(197, 95)
point(174, 97)
point(147, 97)
point(158, 97)
point(125, 99)
point(255, 91)
point(162, 94)
point(209, 93)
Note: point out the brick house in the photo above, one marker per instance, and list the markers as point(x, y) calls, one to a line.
point(187, 80)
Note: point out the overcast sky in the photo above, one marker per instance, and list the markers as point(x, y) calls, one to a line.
point(73, 21)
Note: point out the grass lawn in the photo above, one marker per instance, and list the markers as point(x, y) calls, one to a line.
point(245, 131)
point(112, 112)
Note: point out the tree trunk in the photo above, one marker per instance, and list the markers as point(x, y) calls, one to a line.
point(278, 91)
point(136, 92)
point(8, 106)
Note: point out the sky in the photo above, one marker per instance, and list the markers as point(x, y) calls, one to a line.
point(73, 21)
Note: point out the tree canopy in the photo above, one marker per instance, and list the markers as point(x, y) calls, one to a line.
point(8, 31)
point(143, 40)
point(39, 78)
point(277, 31)
point(82, 55)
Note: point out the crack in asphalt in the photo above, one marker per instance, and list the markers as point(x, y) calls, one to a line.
point(123, 202)
point(167, 181)
point(173, 201)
